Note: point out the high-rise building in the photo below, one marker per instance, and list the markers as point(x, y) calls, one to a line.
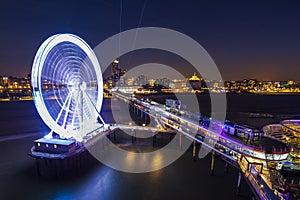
point(6, 81)
point(117, 72)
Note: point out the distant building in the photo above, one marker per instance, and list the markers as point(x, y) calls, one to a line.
point(141, 80)
point(178, 85)
point(151, 82)
point(117, 72)
point(130, 81)
point(195, 82)
point(164, 82)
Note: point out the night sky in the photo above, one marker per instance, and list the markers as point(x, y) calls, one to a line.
point(247, 39)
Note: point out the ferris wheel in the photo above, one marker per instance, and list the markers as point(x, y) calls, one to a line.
point(67, 85)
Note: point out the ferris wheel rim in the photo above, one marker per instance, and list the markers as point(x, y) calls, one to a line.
point(37, 68)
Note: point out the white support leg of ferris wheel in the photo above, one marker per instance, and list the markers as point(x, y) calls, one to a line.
point(75, 110)
point(89, 106)
point(68, 100)
point(67, 111)
point(91, 102)
point(63, 107)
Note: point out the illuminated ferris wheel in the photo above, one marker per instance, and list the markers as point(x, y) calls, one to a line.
point(67, 85)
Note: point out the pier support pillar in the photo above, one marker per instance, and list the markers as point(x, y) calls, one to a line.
point(114, 135)
point(180, 140)
point(226, 167)
point(153, 140)
point(238, 187)
point(194, 150)
point(133, 136)
point(207, 153)
point(212, 167)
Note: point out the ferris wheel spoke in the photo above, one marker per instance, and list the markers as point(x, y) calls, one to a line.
point(75, 110)
point(63, 107)
point(88, 103)
point(91, 102)
point(77, 113)
point(67, 110)
point(91, 107)
point(80, 114)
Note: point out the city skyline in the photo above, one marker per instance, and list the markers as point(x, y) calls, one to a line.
point(245, 39)
point(19, 87)
point(27, 75)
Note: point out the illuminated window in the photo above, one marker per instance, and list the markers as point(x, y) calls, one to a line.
point(47, 145)
point(55, 146)
point(38, 144)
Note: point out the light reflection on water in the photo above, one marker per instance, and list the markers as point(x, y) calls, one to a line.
point(100, 183)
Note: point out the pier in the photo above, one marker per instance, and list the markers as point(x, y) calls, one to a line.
point(250, 159)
